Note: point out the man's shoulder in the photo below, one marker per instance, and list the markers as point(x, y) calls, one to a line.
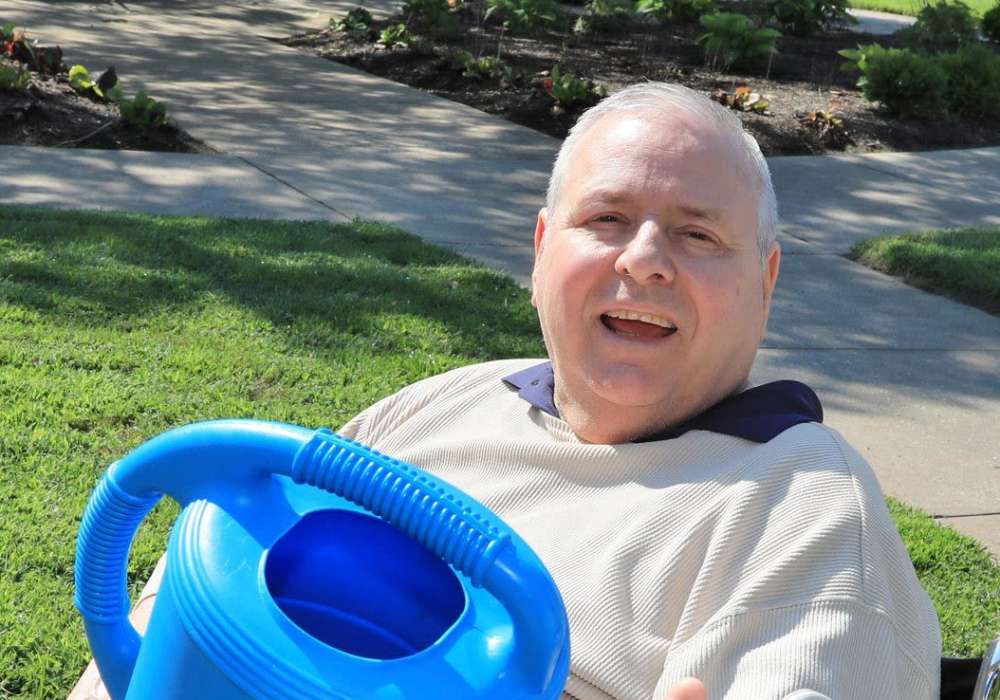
point(480, 380)
point(468, 377)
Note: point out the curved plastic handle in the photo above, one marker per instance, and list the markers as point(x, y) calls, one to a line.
point(193, 462)
point(429, 511)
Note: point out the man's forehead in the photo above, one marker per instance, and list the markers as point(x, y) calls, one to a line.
point(668, 145)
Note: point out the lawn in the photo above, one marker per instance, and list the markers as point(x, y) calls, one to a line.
point(114, 328)
point(912, 7)
point(963, 264)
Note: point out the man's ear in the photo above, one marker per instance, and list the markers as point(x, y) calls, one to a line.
point(540, 229)
point(771, 268)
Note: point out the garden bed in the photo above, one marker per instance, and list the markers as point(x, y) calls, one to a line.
point(803, 78)
point(50, 113)
point(42, 103)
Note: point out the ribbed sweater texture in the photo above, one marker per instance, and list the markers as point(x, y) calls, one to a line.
point(761, 569)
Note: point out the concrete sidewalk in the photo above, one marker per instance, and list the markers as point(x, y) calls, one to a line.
point(913, 380)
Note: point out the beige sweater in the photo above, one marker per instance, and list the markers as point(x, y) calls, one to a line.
point(760, 568)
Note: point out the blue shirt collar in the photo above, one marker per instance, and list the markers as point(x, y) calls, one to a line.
point(757, 414)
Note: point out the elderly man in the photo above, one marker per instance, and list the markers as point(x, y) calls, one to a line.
point(709, 539)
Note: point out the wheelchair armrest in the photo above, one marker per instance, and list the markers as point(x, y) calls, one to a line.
point(988, 682)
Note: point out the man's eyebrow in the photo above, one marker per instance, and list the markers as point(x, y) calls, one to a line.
point(700, 213)
point(608, 196)
point(615, 196)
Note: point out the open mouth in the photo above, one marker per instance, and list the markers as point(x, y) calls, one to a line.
point(636, 325)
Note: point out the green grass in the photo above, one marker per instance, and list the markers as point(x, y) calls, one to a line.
point(963, 264)
point(114, 328)
point(913, 7)
point(960, 577)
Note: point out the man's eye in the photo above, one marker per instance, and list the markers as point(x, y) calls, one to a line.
point(698, 236)
point(607, 219)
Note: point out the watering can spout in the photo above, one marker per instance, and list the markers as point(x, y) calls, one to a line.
point(252, 473)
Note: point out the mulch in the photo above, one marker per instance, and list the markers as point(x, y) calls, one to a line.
point(803, 78)
point(50, 113)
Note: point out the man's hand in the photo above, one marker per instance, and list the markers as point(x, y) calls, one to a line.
point(687, 689)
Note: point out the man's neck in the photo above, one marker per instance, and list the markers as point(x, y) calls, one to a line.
point(597, 421)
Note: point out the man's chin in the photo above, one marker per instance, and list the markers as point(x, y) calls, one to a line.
point(632, 390)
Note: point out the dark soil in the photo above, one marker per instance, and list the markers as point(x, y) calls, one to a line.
point(804, 77)
point(50, 113)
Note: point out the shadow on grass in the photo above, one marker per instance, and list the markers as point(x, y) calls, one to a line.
point(318, 282)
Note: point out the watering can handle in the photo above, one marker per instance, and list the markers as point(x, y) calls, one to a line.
point(191, 462)
point(432, 512)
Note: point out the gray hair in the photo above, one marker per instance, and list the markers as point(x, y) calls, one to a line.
point(662, 97)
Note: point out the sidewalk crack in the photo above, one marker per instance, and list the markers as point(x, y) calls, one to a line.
point(297, 189)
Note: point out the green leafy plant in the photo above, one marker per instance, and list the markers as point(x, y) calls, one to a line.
point(143, 111)
point(732, 39)
point(742, 99)
point(525, 16)
point(396, 35)
point(857, 60)
point(13, 78)
point(357, 22)
point(941, 25)
point(973, 81)
point(906, 82)
point(675, 11)
point(105, 88)
point(604, 16)
point(483, 68)
point(7, 31)
point(568, 90)
point(807, 17)
point(991, 24)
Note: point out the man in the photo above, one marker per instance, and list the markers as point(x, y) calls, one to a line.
point(709, 539)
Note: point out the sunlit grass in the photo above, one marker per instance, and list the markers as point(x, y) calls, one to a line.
point(960, 263)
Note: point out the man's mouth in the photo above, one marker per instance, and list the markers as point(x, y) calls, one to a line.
point(637, 325)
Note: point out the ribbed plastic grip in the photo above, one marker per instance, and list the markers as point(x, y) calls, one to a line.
point(109, 524)
point(422, 507)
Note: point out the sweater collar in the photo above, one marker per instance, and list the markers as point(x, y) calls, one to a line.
point(757, 414)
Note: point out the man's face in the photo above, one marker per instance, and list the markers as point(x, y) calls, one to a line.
point(656, 216)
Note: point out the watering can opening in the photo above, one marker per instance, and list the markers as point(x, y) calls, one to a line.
point(358, 584)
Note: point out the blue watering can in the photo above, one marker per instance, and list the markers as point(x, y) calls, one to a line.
point(281, 582)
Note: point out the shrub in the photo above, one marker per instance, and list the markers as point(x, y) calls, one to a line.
point(991, 24)
point(13, 78)
point(942, 25)
point(732, 39)
point(525, 15)
point(677, 11)
point(906, 82)
point(143, 111)
point(806, 17)
point(604, 16)
point(973, 81)
point(357, 22)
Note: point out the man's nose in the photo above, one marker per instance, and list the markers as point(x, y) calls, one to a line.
point(647, 258)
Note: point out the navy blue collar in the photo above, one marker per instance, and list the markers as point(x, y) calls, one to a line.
point(757, 414)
